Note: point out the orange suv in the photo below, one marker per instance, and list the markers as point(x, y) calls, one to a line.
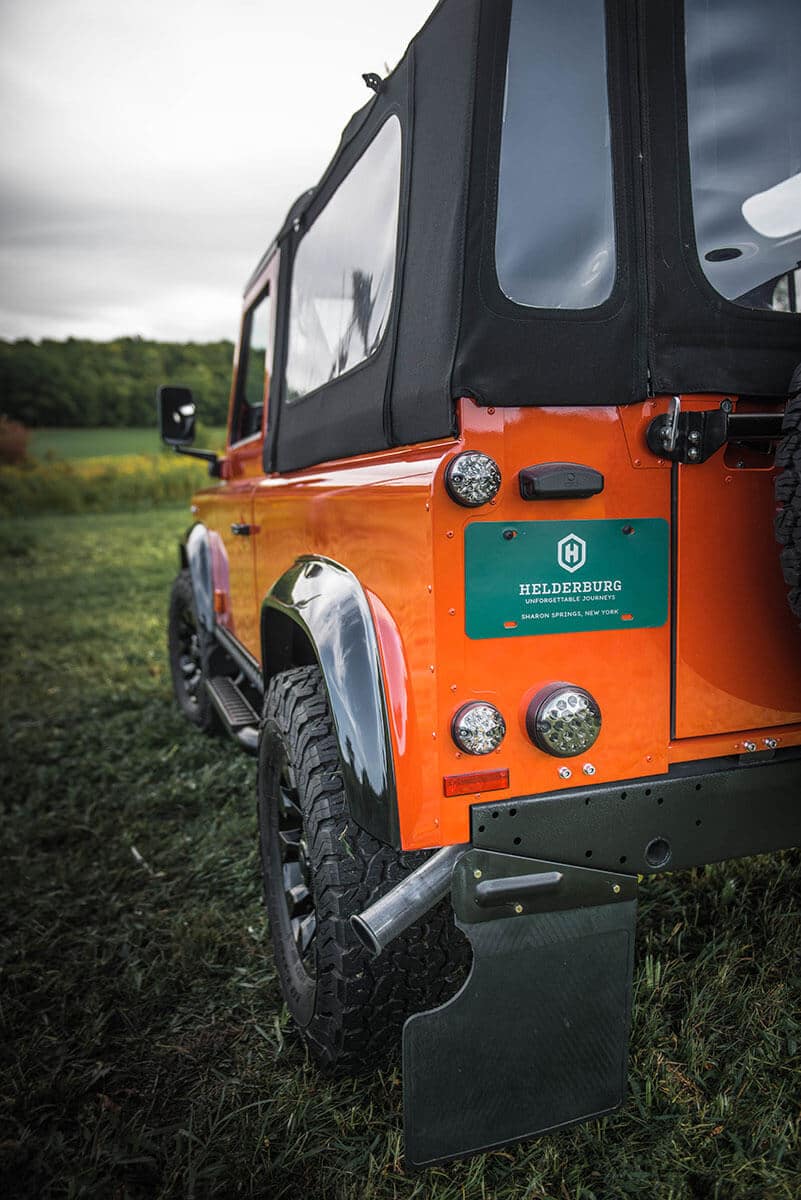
point(488, 580)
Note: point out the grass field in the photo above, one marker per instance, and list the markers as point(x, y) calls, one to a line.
point(93, 443)
point(145, 1051)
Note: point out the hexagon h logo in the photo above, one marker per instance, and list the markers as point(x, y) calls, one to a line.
point(572, 553)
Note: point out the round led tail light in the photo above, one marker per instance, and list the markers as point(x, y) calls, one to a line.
point(563, 720)
point(472, 479)
point(478, 728)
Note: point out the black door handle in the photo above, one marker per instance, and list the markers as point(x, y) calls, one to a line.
point(560, 481)
point(241, 528)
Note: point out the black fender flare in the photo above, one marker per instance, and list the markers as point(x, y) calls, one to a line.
point(317, 612)
point(196, 556)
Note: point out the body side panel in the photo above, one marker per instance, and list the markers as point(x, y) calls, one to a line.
point(370, 515)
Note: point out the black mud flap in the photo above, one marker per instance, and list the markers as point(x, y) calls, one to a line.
point(537, 1036)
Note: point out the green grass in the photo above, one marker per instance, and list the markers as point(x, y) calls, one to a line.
point(94, 443)
point(145, 1050)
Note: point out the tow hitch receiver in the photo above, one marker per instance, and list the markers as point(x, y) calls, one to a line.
point(537, 1036)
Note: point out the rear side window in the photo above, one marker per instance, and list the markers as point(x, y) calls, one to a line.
point(344, 270)
point(555, 234)
point(743, 65)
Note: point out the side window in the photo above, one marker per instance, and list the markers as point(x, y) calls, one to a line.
point(344, 271)
point(555, 233)
point(253, 379)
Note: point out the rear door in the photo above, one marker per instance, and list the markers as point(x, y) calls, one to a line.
point(738, 646)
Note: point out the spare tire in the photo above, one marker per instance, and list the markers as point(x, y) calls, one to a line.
point(788, 493)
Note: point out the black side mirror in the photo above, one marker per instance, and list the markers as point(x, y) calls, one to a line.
point(176, 410)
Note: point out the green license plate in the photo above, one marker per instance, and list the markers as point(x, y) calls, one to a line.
point(532, 577)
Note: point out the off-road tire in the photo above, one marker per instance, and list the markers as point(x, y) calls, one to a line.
point(190, 690)
point(349, 1006)
point(788, 494)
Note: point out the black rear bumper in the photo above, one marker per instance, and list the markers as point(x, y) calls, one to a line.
point(692, 816)
point(536, 1038)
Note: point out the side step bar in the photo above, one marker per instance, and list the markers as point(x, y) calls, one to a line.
point(243, 661)
point(234, 711)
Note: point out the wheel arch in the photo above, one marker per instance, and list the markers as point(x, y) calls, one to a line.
point(204, 555)
point(318, 612)
point(196, 556)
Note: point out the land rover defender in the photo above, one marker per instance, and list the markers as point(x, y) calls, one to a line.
point(500, 571)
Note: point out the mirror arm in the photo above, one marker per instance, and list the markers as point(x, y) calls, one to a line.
point(208, 455)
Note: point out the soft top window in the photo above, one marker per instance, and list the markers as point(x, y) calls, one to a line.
point(555, 240)
point(743, 65)
point(344, 269)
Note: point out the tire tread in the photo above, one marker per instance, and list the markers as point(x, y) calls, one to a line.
point(361, 1001)
point(787, 522)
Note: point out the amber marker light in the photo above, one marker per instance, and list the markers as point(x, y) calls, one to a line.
point(472, 479)
point(475, 781)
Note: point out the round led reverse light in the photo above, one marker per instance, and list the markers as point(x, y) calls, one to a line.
point(472, 479)
point(563, 720)
point(478, 728)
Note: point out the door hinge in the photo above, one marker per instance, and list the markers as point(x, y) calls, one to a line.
point(693, 437)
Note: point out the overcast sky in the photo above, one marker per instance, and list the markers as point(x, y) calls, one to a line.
point(150, 149)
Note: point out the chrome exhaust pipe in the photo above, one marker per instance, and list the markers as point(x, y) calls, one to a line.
point(381, 923)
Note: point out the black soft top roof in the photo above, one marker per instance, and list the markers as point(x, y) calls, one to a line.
point(452, 332)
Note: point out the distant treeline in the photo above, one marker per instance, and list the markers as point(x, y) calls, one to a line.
point(82, 383)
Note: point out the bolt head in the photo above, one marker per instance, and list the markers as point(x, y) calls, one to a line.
point(771, 743)
point(616, 888)
point(565, 773)
point(694, 436)
point(588, 769)
point(518, 908)
point(476, 874)
point(750, 747)
point(693, 453)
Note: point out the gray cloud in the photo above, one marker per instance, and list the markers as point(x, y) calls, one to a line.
point(151, 151)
